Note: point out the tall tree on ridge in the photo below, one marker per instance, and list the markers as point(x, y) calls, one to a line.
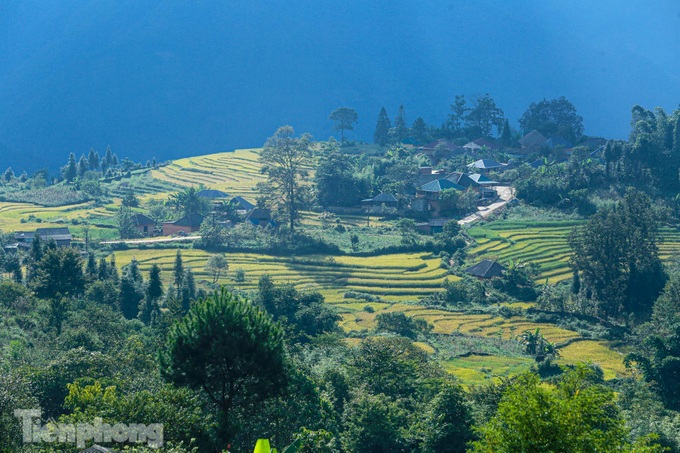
point(71, 169)
point(382, 128)
point(419, 130)
point(400, 130)
point(93, 160)
point(344, 118)
point(83, 165)
point(483, 116)
point(285, 160)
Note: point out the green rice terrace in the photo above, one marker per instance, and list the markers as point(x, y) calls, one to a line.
point(543, 243)
point(362, 287)
point(236, 173)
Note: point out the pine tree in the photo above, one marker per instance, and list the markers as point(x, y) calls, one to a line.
point(575, 283)
point(103, 270)
point(382, 128)
point(37, 251)
point(131, 292)
point(419, 130)
point(344, 118)
point(188, 289)
point(252, 368)
point(178, 273)
point(93, 160)
point(130, 199)
point(149, 308)
point(108, 157)
point(400, 128)
point(9, 174)
point(71, 169)
point(506, 134)
point(113, 270)
point(83, 165)
point(17, 275)
point(153, 162)
point(91, 268)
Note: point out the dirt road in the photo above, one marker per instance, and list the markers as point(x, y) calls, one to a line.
point(153, 240)
point(505, 193)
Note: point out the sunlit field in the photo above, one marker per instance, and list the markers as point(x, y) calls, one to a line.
point(236, 173)
point(393, 277)
point(543, 243)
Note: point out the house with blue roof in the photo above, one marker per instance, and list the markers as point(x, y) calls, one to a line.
point(427, 196)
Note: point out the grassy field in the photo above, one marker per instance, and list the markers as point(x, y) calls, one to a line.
point(392, 277)
point(543, 243)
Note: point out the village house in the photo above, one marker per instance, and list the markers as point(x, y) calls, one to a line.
point(61, 235)
point(532, 143)
point(462, 180)
point(444, 149)
point(211, 194)
point(386, 200)
point(486, 269)
point(242, 205)
point(260, 217)
point(98, 449)
point(427, 196)
point(145, 225)
point(485, 186)
point(432, 226)
point(486, 165)
point(427, 174)
point(480, 144)
point(187, 224)
point(558, 142)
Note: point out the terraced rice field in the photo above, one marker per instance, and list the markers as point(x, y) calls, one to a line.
point(475, 369)
point(448, 322)
point(144, 186)
point(543, 243)
point(597, 352)
point(236, 173)
point(392, 277)
point(11, 215)
point(395, 279)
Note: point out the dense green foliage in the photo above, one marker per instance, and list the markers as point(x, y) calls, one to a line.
point(578, 415)
point(230, 350)
point(616, 255)
point(553, 117)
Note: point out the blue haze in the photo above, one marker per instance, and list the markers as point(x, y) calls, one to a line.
point(178, 78)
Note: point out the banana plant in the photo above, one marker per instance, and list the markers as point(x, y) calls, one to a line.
point(263, 446)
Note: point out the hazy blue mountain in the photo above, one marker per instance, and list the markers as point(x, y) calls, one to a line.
point(175, 78)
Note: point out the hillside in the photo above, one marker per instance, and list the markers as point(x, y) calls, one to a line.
point(389, 283)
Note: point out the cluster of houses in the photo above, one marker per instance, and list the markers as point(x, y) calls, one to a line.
point(431, 182)
point(146, 226)
point(23, 239)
